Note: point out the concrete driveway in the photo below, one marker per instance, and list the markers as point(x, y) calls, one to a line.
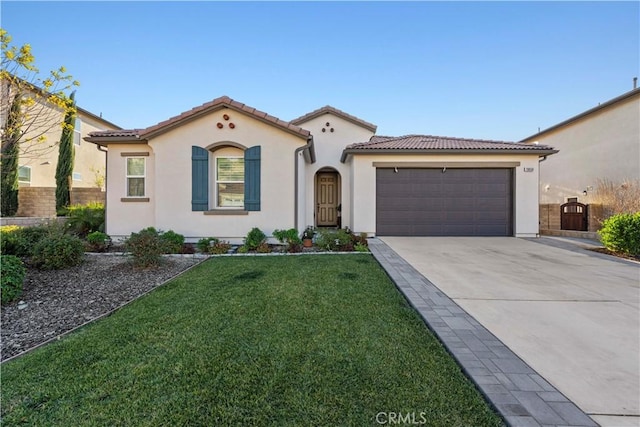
point(572, 316)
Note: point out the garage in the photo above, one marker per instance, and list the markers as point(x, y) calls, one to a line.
point(444, 201)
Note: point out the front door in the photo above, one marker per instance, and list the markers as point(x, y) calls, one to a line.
point(327, 200)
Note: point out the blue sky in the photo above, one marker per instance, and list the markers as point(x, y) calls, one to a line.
point(491, 70)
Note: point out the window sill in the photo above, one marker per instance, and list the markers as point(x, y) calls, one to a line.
point(226, 212)
point(135, 199)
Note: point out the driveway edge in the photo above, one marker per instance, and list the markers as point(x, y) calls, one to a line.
point(517, 392)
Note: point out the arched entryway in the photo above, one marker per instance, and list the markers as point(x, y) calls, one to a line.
point(328, 198)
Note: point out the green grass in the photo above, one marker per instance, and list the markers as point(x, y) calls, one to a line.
point(300, 340)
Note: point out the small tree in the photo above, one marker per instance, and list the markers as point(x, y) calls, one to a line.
point(43, 100)
point(9, 165)
point(64, 169)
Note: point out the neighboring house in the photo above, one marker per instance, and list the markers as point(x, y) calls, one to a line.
point(223, 168)
point(600, 143)
point(37, 172)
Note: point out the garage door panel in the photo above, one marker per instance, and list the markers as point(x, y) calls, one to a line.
point(458, 202)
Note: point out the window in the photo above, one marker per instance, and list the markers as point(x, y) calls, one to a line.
point(230, 182)
point(77, 131)
point(135, 176)
point(77, 176)
point(24, 174)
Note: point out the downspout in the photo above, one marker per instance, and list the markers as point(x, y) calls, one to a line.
point(106, 164)
point(540, 160)
point(312, 159)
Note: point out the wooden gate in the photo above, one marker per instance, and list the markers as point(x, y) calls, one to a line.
point(573, 216)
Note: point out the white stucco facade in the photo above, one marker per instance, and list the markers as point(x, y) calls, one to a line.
point(525, 180)
point(294, 156)
point(602, 143)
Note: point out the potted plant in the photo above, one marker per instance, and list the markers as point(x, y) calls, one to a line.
point(307, 237)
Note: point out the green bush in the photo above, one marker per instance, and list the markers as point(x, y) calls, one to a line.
point(172, 241)
point(10, 236)
point(84, 219)
point(12, 277)
point(359, 247)
point(205, 243)
point(254, 239)
point(146, 247)
point(57, 251)
point(621, 233)
point(263, 248)
point(338, 240)
point(98, 241)
point(211, 245)
point(20, 241)
point(290, 238)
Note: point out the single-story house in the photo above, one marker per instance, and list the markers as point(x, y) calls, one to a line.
point(223, 168)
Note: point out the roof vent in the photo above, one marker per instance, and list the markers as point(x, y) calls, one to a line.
point(635, 82)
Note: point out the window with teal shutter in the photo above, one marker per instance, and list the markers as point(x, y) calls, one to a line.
point(252, 179)
point(199, 179)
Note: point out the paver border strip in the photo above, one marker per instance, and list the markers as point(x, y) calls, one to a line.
point(516, 391)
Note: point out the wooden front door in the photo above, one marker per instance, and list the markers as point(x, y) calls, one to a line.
point(327, 199)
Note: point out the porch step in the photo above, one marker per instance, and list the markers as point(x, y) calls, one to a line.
point(591, 235)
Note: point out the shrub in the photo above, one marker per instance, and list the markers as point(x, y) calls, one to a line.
point(254, 239)
point(12, 278)
point(172, 241)
point(617, 197)
point(621, 233)
point(335, 240)
point(211, 245)
point(10, 236)
point(57, 251)
point(243, 249)
point(84, 219)
point(359, 247)
point(20, 241)
point(98, 241)
point(146, 247)
point(263, 248)
point(205, 243)
point(290, 238)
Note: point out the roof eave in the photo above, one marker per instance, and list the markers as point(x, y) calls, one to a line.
point(584, 114)
point(105, 140)
point(362, 124)
point(347, 151)
point(213, 108)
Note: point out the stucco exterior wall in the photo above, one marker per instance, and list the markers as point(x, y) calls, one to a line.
point(169, 180)
point(363, 200)
point(122, 218)
point(602, 145)
point(87, 156)
point(329, 146)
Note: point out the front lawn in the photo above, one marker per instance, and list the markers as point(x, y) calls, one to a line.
point(289, 340)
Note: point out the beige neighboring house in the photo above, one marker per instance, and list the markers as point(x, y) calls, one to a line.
point(37, 172)
point(223, 168)
point(600, 143)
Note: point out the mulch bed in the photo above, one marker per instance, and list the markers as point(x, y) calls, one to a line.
point(617, 254)
point(54, 302)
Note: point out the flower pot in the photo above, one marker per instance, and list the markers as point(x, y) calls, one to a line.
point(307, 243)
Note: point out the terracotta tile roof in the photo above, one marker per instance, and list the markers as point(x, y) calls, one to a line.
point(218, 103)
point(440, 144)
point(329, 109)
point(430, 142)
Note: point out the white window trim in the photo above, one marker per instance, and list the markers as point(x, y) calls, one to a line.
point(27, 167)
point(127, 176)
point(216, 182)
point(78, 131)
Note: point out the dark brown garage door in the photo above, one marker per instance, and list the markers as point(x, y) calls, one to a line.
point(456, 202)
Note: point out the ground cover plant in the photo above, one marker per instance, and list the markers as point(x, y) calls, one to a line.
point(235, 341)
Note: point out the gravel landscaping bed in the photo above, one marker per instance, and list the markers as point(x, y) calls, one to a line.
point(54, 302)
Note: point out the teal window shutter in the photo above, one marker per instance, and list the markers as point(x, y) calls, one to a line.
point(199, 179)
point(252, 179)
